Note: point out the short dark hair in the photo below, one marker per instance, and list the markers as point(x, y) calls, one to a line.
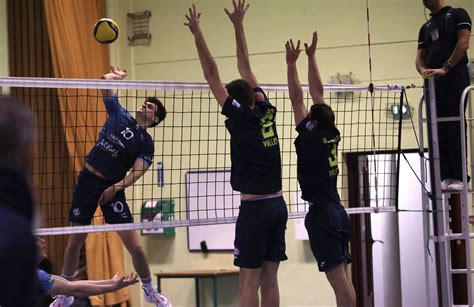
point(160, 109)
point(241, 91)
point(16, 128)
point(323, 115)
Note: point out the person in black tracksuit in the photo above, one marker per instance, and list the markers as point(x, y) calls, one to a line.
point(442, 44)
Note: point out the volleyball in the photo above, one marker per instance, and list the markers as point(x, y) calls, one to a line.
point(106, 31)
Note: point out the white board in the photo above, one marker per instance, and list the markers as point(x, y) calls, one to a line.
point(209, 195)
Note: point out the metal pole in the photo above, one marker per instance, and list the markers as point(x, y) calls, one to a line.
point(442, 250)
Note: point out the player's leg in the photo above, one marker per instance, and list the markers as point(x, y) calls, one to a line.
point(249, 281)
point(351, 286)
point(269, 284)
point(277, 214)
point(250, 246)
point(84, 203)
point(132, 244)
point(342, 286)
point(329, 233)
point(117, 211)
point(140, 263)
point(72, 253)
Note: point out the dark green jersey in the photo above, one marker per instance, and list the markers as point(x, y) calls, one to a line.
point(254, 146)
point(317, 162)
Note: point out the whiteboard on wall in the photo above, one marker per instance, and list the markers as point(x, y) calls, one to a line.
point(209, 196)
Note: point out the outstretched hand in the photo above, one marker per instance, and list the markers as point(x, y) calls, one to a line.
point(120, 282)
point(237, 16)
point(292, 51)
point(311, 49)
point(115, 74)
point(193, 20)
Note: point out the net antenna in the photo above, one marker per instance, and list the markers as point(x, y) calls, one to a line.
point(372, 99)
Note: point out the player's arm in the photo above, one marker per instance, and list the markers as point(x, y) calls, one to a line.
point(463, 36)
point(84, 288)
point(138, 170)
point(420, 61)
point(243, 62)
point(110, 95)
point(114, 74)
point(294, 85)
point(463, 33)
point(208, 64)
point(316, 89)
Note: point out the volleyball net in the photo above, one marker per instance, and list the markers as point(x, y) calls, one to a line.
point(189, 181)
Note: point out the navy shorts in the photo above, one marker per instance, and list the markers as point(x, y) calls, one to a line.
point(88, 190)
point(260, 232)
point(329, 231)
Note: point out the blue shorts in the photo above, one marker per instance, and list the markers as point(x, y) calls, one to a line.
point(88, 190)
point(329, 231)
point(260, 232)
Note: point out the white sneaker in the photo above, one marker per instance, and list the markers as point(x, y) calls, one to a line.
point(456, 185)
point(445, 184)
point(156, 298)
point(62, 301)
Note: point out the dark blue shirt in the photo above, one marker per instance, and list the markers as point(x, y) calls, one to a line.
point(317, 162)
point(46, 281)
point(254, 147)
point(439, 35)
point(121, 141)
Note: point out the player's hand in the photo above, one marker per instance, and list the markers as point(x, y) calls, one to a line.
point(425, 72)
point(120, 282)
point(107, 195)
point(311, 49)
point(115, 74)
point(292, 52)
point(131, 279)
point(193, 20)
point(237, 16)
point(437, 72)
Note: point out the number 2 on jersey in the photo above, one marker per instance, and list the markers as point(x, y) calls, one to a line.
point(267, 125)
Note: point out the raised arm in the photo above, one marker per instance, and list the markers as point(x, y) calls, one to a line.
point(84, 288)
point(294, 86)
point(316, 88)
point(243, 62)
point(208, 64)
point(114, 74)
